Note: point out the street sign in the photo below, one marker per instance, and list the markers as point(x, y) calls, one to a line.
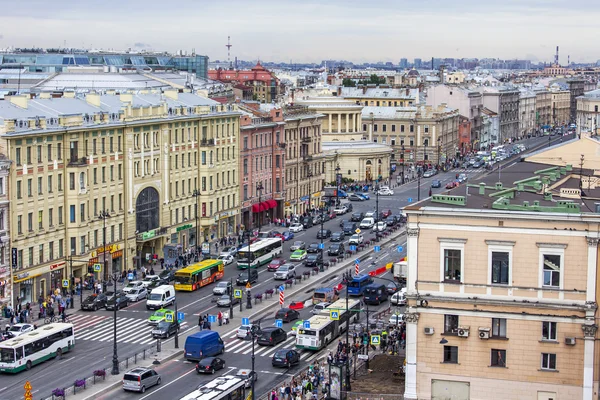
point(356, 270)
point(130, 276)
point(281, 288)
point(279, 323)
point(400, 249)
point(321, 246)
point(376, 249)
point(357, 230)
point(363, 357)
point(352, 247)
point(248, 285)
point(65, 283)
point(410, 199)
point(205, 247)
point(237, 293)
point(357, 261)
point(169, 317)
point(245, 321)
point(212, 318)
point(281, 297)
point(306, 324)
point(334, 315)
point(180, 316)
point(375, 339)
point(27, 387)
point(97, 267)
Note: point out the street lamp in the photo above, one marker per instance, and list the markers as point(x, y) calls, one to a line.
point(347, 281)
point(176, 330)
point(254, 333)
point(259, 188)
point(322, 245)
point(419, 172)
point(377, 212)
point(337, 183)
point(115, 358)
point(196, 194)
point(439, 146)
point(104, 214)
point(402, 160)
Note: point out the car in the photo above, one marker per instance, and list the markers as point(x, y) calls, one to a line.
point(429, 173)
point(243, 331)
point(149, 279)
point(96, 301)
point(307, 222)
point(396, 319)
point(296, 305)
point(349, 207)
point(296, 227)
point(342, 222)
point(156, 283)
point(132, 285)
point(363, 195)
point(247, 376)
point(341, 209)
point(275, 264)
point(325, 217)
point(209, 365)
point(367, 223)
point(392, 288)
point(165, 329)
point(137, 294)
point(229, 250)
point(370, 214)
point(349, 228)
point(298, 255)
point(271, 336)
point(313, 248)
point(247, 276)
point(317, 308)
point(117, 302)
point(357, 216)
point(338, 236)
point(399, 298)
point(266, 235)
point(381, 226)
point(385, 191)
point(462, 178)
point(286, 271)
point(391, 220)
point(436, 183)
point(226, 301)
point(313, 260)
point(139, 379)
point(477, 164)
point(285, 358)
point(158, 315)
point(221, 288)
point(226, 258)
point(277, 234)
point(324, 234)
point(336, 249)
point(167, 275)
point(298, 245)
point(19, 329)
point(295, 327)
point(452, 185)
point(356, 239)
point(386, 214)
point(287, 235)
point(354, 197)
point(287, 314)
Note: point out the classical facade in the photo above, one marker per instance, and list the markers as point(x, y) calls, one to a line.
point(543, 109)
point(502, 284)
point(115, 180)
point(380, 96)
point(576, 89)
point(561, 106)
point(527, 123)
point(588, 113)
point(265, 85)
point(504, 101)
point(6, 266)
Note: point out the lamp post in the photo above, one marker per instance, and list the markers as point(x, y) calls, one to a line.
point(259, 188)
point(439, 149)
point(176, 330)
point(377, 212)
point(196, 194)
point(347, 280)
point(402, 160)
point(115, 358)
point(309, 175)
point(230, 288)
point(321, 268)
point(337, 184)
point(104, 214)
point(254, 333)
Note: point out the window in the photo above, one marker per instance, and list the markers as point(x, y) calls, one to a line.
point(452, 265)
point(551, 268)
point(19, 194)
point(50, 184)
point(61, 247)
point(72, 181)
point(500, 267)
point(29, 189)
point(51, 251)
point(30, 222)
point(549, 361)
point(498, 358)
point(451, 354)
point(18, 155)
point(40, 185)
point(499, 327)
point(19, 224)
point(39, 154)
point(40, 219)
point(451, 324)
point(60, 215)
point(72, 213)
point(41, 253)
point(60, 182)
point(50, 217)
point(549, 331)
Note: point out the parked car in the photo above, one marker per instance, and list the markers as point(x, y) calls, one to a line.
point(209, 365)
point(296, 227)
point(139, 379)
point(324, 233)
point(337, 236)
point(298, 245)
point(287, 235)
point(285, 358)
point(336, 249)
point(165, 329)
point(96, 301)
point(313, 248)
point(357, 216)
point(286, 271)
point(298, 255)
point(275, 264)
point(271, 336)
point(221, 288)
point(313, 260)
point(287, 314)
point(436, 183)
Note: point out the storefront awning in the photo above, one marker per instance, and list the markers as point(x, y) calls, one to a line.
point(272, 203)
point(255, 208)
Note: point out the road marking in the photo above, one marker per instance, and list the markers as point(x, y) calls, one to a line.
point(166, 385)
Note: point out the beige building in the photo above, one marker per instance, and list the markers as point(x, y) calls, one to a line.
point(145, 161)
point(380, 96)
point(527, 124)
point(588, 113)
point(502, 284)
point(561, 105)
point(543, 108)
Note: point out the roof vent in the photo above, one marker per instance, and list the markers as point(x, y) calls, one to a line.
point(548, 196)
point(482, 188)
point(520, 187)
point(525, 204)
point(498, 185)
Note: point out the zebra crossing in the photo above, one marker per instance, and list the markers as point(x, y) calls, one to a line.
point(469, 170)
point(241, 346)
point(100, 328)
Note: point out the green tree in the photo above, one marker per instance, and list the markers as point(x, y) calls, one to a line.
point(347, 82)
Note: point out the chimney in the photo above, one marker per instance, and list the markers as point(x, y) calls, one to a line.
point(171, 94)
point(69, 94)
point(339, 91)
point(93, 99)
point(20, 101)
point(364, 88)
point(126, 97)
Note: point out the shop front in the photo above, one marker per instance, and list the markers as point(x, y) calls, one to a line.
point(225, 223)
point(44, 280)
point(149, 244)
point(186, 235)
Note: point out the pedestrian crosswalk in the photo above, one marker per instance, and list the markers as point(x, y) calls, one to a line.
point(469, 170)
point(241, 346)
point(101, 328)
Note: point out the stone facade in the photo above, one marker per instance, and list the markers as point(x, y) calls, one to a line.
point(588, 113)
point(527, 123)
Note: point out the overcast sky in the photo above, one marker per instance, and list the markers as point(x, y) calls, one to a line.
point(310, 31)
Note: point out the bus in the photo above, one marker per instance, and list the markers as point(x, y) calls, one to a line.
point(323, 330)
point(34, 347)
point(226, 387)
point(358, 284)
point(200, 274)
point(259, 253)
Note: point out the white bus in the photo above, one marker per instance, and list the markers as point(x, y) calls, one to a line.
point(35, 347)
point(227, 387)
point(323, 330)
point(259, 253)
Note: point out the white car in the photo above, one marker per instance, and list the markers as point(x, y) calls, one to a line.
point(243, 331)
point(19, 329)
point(286, 271)
point(228, 251)
point(381, 226)
point(356, 239)
point(226, 258)
point(137, 294)
point(149, 279)
point(399, 298)
point(132, 285)
point(296, 227)
point(367, 223)
point(396, 319)
point(340, 210)
point(385, 191)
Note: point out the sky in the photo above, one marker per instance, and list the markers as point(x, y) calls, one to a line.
point(311, 31)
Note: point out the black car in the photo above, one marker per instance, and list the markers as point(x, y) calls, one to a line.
point(350, 228)
point(357, 216)
point(285, 358)
point(313, 260)
point(271, 336)
point(94, 302)
point(337, 236)
point(391, 220)
point(167, 275)
point(336, 249)
point(325, 234)
point(165, 329)
point(249, 275)
point(307, 222)
point(436, 183)
point(209, 365)
point(156, 283)
point(354, 197)
point(117, 301)
point(342, 222)
point(348, 207)
point(313, 248)
point(287, 314)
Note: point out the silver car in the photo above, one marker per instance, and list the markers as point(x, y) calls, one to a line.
point(139, 379)
point(137, 294)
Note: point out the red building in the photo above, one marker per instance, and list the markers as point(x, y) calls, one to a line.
point(265, 86)
point(262, 156)
point(464, 135)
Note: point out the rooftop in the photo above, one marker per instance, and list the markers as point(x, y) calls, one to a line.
point(390, 93)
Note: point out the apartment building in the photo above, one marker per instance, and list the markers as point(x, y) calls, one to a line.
point(5, 250)
point(115, 180)
point(561, 105)
point(543, 109)
point(502, 283)
point(588, 113)
point(505, 102)
point(527, 123)
point(380, 96)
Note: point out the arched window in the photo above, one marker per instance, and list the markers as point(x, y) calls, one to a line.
point(147, 210)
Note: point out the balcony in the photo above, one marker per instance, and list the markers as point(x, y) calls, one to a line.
point(306, 139)
point(207, 142)
point(78, 162)
point(261, 120)
point(307, 158)
point(281, 145)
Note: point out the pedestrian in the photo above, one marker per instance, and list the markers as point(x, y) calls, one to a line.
point(220, 318)
point(226, 317)
point(200, 322)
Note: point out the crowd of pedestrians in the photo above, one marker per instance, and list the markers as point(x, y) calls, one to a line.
point(308, 385)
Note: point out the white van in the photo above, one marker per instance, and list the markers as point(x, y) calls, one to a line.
point(367, 223)
point(160, 297)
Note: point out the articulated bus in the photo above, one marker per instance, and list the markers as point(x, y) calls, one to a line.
point(200, 274)
point(34, 347)
point(227, 387)
point(259, 253)
point(323, 330)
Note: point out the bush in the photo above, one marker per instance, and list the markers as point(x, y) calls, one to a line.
point(79, 383)
point(58, 393)
point(100, 373)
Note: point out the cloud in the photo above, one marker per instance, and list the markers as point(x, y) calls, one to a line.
point(141, 45)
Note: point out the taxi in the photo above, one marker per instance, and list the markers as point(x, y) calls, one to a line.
point(158, 316)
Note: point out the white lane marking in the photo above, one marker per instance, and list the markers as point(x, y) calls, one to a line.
point(239, 346)
point(168, 384)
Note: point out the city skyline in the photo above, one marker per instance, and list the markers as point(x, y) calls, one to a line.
point(359, 32)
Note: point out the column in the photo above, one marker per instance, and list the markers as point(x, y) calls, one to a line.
point(592, 256)
point(354, 122)
point(412, 247)
point(410, 379)
point(129, 172)
point(330, 125)
point(589, 335)
point(347, 122)
point(339, 123)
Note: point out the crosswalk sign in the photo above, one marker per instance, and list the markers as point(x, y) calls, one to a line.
point(375, 339)
point(97, 267)
point(334, 315)
point(169, 317)
point(237, 293)
point(65, 283)
point(306, 324)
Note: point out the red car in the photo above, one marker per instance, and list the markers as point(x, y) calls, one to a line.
point(275, 264)
point(451, 185)
point(296, 305)
point(387, 213)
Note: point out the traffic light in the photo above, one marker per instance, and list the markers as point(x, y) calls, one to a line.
point(90, 269)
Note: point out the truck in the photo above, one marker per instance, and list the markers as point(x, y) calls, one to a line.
point(399, 270)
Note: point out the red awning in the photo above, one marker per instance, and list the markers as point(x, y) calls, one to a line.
point(272, 203)
point(255, 208)
point(262, 206)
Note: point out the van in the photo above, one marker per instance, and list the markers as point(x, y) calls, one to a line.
point(203, 344)
point(367, 223)
point(375, 293)
point(324, 295)
point(160, 297)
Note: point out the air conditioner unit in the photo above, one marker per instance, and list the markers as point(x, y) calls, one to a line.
point(484, 333)
point(428, 330)
point(463, 331)
point(570, 341)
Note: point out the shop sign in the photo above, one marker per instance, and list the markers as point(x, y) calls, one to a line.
point(148, 235)
point(184, 227)
point(56, 266)
point(224, 214)
point(117, 254)
point(15, 258)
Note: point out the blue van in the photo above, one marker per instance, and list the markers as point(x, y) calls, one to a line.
point(203, 344)
point(375, 293)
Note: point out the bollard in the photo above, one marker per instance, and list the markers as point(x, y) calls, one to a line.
point(158, 345)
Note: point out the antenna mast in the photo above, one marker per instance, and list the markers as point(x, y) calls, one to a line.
point(228, 45)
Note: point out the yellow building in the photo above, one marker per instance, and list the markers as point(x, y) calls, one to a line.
point(502, 284)
point(543, 108)
point(588, 113)
point(127, 170)
point(560, 105)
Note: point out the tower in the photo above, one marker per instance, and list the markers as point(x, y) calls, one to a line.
point(228, 45)
point(556, 56)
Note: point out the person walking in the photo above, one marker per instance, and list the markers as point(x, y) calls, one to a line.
point(220, 318)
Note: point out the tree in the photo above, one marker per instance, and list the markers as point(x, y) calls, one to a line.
point(347, 82)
